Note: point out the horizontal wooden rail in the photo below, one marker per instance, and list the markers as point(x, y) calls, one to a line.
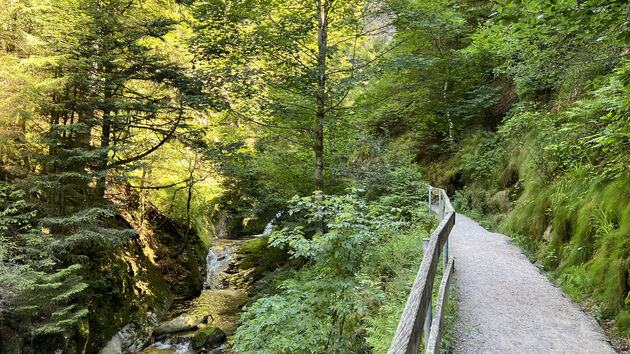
point(438, 321)
point(408, 337)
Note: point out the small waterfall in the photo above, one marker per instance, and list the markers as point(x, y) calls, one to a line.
point(217, 261)
point(269, 226)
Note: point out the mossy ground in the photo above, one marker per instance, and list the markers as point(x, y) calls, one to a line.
point(263, 258)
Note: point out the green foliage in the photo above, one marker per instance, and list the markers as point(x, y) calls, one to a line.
point(259, 254)
point(623, 321)
point(327, 293)
point(88, 90)
point(333, 291)
point(531, 97)
point(548, 43)
point(396, 263)
point(286, 68)
point(43, 294)
point(519, 107)
point(567, 206)
point(401, 188)
point(534, 139)
point(435, 86)
point(52, 297)
point(482, 162)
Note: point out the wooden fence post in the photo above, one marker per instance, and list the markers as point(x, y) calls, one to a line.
point(429, 317)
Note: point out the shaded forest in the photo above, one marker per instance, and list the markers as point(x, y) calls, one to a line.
point(134, 134)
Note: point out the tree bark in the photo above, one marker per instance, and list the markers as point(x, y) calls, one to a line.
point(322, 46)
point(320, 115)
point(101, 183)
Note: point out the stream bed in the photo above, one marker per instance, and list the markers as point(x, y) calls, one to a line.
point(224, 295)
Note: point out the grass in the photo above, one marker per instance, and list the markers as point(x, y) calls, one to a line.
point(574, 223)
point(400, 259)
point(450, 316)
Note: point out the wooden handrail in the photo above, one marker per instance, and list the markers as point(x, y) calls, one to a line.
point(435, 337)
point(408, 335)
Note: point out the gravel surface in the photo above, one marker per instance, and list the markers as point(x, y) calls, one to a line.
point(507, 306)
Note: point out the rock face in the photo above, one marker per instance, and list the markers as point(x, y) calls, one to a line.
point(207, 337)
point(136, 282)
point(184, 322)
point(149, 276)
point(130, 338)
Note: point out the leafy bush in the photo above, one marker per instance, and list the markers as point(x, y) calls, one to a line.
point(395, 264)
point(480, 164)
point(337, 291)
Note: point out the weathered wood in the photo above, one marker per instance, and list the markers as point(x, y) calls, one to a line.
point(445, 207)
point(441, 192)
point(410, 327)
point(428, 315)
point(448, 205)
point(435, 337)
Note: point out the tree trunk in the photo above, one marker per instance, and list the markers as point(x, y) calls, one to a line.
point(319, 155)
point(448, 113)
point(102, 166)
point(322, 46)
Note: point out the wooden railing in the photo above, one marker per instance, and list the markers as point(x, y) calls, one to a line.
point(416, 318)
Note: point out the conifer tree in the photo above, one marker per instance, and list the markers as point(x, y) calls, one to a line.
point(96, 93)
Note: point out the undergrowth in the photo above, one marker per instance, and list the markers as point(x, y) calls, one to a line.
point(349, 284)
point(573, 221)
point(558, 183)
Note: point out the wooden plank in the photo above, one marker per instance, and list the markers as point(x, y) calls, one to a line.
point(409, 331)
point(449, 207)
point(435, 337)
point(438, 191)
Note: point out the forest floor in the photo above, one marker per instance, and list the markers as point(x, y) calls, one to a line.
point(506, 305)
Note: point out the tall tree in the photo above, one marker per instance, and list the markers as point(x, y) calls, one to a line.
point(288, 66)
point(96, 93)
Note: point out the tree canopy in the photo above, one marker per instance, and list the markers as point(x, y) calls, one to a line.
point(213, 117)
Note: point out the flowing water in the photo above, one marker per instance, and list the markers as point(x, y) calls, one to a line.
point(217, 260)
point(222, 298)
point(269, 226)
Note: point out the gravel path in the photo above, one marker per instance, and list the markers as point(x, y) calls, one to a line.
point(507, 306)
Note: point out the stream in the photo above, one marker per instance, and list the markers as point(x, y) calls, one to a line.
point(224, 295)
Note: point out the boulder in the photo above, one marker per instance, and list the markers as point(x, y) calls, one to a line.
point(207, 337)
point(114, 346)
point(132, 337)
point(184, 322)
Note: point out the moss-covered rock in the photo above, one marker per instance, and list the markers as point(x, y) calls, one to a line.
point(207, 337)
point(183, 322)
point(138, 281)
point(257, 254)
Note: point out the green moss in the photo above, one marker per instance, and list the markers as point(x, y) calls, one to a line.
point(205, 230)
point(259, 255)
point(207, 336)
point(623, 321)
point(127, 285)
point(142, 276)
